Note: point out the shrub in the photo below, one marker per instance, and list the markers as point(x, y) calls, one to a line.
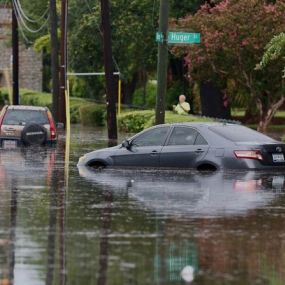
point(133, 122)
point(4, 98)
point(92, 114)
point(150, 95)
point(137, 121)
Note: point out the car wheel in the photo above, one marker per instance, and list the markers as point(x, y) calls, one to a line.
point(98, 165)
point(206, 167)
point(34, 134)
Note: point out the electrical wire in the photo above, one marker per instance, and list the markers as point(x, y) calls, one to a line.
point(27, 17)
point(22, 22)
point(24, 35)
point(101, 33)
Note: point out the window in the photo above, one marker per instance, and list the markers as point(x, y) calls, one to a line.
point(237, 133)
point(23, 117)
point(183, 136)
point(154, 137)
point(200, 140)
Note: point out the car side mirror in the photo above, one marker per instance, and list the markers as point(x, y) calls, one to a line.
point(126, 144)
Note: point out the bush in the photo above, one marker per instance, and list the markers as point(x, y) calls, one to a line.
point(92, 115)
point(150, 95)
point(173, 93)
point(4, 98)
point(133, 122)
point(136, 121)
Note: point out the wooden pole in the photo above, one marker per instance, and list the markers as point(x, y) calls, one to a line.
point(110, 81)
point(15, 63)
point(162, 63)
point(54, 60)
point(63, 62)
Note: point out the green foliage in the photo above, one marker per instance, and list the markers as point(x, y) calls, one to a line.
point(42, 43)
point(133, 122)
point(274, 51)
point(136, 121)
point(148, 99)
point(92, 115)
point(35, 10)
point(234, 35)
point(28, 97)
point(4, 98)
point(173, 93)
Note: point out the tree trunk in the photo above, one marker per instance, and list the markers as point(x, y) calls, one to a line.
point(129, 88)
point(267, 112)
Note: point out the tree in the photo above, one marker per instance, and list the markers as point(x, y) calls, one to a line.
point(234, 35)
point(134, 24)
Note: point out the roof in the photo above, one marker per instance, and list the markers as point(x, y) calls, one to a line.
point(200, 124)
point(22, 107)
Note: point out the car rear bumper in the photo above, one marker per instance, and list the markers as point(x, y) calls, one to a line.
point(13, 142)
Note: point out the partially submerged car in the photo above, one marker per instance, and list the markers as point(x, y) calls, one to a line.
point(26, 126)
point(202, 146)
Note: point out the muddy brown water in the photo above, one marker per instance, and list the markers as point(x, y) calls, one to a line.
point(61, 225)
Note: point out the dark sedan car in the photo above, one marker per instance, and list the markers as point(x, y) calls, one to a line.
point(203, 146)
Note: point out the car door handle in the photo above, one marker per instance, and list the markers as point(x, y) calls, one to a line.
point(154, 152)
point(199, 150)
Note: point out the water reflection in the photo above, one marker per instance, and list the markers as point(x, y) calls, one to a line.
point(136, 227)
point(191, 193)
point(26, 174)
point(215, 228)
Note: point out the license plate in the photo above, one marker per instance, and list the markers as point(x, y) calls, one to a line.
point(278, 157)
point(9, 144)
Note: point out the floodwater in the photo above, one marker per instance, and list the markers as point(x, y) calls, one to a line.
point(61, 225)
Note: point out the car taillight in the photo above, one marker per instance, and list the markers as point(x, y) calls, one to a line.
point(250, 154)
point(52, 126)
point(2, 115)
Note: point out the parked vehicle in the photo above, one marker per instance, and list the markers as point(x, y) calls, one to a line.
point(26, 126)
point(202, 146)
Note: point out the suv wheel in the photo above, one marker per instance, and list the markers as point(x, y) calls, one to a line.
point(34, 134)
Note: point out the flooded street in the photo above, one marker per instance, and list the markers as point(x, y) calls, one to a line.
point(61, 225)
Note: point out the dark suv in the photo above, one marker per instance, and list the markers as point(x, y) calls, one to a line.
point(27, 126)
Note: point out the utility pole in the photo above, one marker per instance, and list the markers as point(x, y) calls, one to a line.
point(110, 82)
point(15, 57)
point(63, 62)
point(162, 63)
point(54, 60)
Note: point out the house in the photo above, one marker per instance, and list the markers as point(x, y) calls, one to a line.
point(30, 62)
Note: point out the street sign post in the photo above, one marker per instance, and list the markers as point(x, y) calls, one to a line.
point(180, 38)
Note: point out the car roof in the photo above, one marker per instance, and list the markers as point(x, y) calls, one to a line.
point(200, 124)
point(29, 108)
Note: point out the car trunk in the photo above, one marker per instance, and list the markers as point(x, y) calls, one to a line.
point(273, 154)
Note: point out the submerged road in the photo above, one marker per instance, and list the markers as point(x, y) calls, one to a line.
point(63, 225)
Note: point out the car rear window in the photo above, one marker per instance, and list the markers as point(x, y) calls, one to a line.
point(23, 117)
point(241, 134)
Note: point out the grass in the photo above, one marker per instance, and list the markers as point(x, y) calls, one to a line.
point(238, 112)
point(171, 117)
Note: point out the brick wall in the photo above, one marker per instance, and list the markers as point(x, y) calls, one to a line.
point(30, 62)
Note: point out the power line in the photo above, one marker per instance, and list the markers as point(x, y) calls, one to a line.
point(23, 23)
point(27, 17)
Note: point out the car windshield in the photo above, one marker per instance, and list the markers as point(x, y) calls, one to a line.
point(24, 117)
point(241, 134)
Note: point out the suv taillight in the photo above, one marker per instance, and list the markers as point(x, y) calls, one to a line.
point(2, 115)
point(52, 126)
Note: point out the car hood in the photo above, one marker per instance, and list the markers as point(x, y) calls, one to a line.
point(100, 153)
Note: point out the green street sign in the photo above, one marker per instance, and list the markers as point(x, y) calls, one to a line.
point(180, 38)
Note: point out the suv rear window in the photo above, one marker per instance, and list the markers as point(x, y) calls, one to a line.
point(23, 117)
point(236, 133)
